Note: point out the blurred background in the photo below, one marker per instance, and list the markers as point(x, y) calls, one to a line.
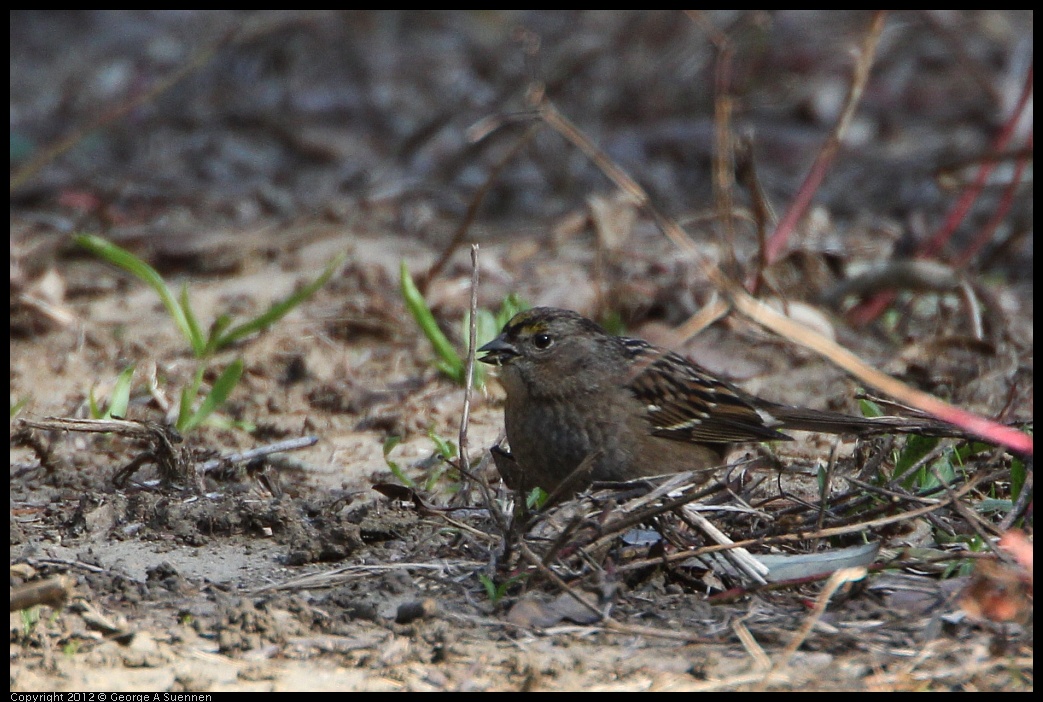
point(145, 123)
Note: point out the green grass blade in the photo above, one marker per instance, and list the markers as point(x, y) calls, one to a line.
point(491, 591)
point(396, 470)
point(223, 387)
point(278, 310)
point(451, 363)
point(1018, 475)
point(446, 449)
point(217, 330)
point(196, 336)
point(92, 405)
point(119, 401)
point(870, 408)
point(124, 259)
point(17, 407)
point(188, 396)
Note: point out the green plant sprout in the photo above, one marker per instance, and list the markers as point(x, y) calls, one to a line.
point(536, 498)
point(222, 332)
point(495, 592)
point(30, 618)
point(445, 451)
point(119, 398)
point(189, 418)
point(396, 470)
point(17, 406)
point(449, 361)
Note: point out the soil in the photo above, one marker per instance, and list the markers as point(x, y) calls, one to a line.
point(295, 138)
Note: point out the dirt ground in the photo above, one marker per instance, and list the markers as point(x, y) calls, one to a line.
point(240, 153)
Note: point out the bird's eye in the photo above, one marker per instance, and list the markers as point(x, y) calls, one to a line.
point(542, 341)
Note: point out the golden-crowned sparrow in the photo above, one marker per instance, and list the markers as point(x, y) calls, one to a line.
point(623, 409)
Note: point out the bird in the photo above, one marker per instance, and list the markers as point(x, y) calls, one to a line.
point(585, 406)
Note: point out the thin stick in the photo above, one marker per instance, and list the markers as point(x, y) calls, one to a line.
point(245, 456)
point(464, 462)
point(472, 342)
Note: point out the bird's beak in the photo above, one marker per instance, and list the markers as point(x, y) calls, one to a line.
point(498, 351)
